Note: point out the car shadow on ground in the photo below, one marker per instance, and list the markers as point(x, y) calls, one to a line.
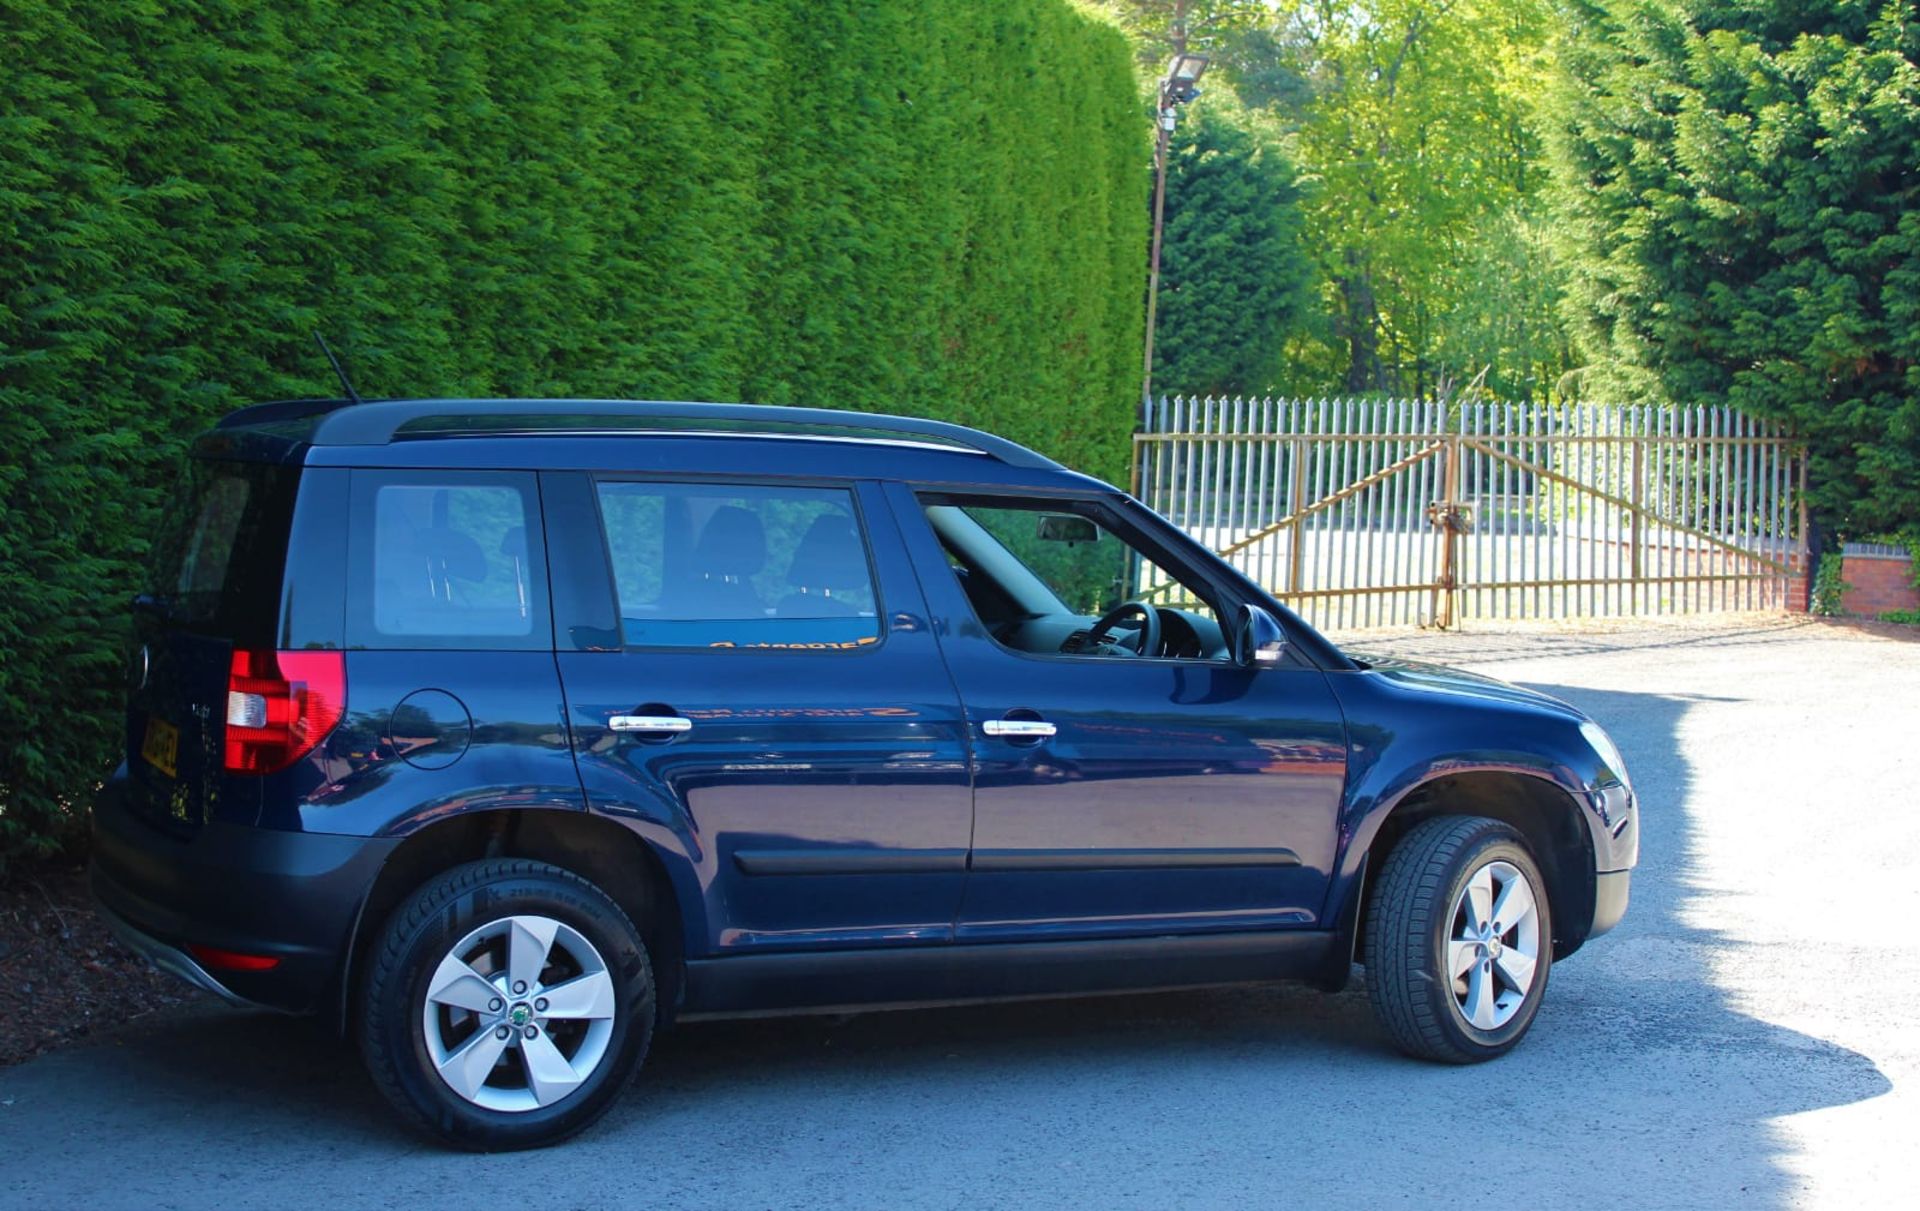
point(1640, 1082)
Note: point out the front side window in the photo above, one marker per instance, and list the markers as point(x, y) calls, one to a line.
point(1060, 578)
point(739, 566)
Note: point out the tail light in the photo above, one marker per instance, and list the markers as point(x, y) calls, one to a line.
point(280, 705)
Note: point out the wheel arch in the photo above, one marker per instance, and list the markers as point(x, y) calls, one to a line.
point(1543, 812)
point(613, 857)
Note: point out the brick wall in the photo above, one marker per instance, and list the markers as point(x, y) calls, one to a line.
point(1878, 583)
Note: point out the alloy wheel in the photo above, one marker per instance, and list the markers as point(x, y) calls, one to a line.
point(519, 1013)
point(1493, 947)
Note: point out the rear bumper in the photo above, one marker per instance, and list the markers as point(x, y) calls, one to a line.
point(256, 891)
point(170, 959)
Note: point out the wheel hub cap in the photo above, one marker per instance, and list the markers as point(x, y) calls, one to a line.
point(519, 1014)
point(1493, 946)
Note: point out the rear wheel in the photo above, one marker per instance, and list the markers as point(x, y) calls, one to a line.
point(505, 1005)
point(1459, 940)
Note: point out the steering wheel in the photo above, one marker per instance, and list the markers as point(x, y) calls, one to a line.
point(1149, 626)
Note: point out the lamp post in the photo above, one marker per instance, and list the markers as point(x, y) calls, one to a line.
point(1179, 86)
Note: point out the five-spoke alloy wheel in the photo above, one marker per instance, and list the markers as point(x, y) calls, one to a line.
point(505, 1005)
point(1459, 940)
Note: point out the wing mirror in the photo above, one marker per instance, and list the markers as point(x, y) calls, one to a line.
point(1257, 638)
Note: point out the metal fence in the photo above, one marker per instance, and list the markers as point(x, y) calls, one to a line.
point(1386, 512)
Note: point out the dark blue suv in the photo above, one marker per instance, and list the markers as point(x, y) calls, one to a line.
point(508, 731)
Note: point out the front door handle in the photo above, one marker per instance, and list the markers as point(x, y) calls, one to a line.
point(1019, 729)
point(671, 724)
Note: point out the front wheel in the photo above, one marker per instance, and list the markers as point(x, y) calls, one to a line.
point(505, 1005)
point(1459, 940)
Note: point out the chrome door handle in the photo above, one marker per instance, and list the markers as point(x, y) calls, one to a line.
point(650, 723)
point(1019, 729)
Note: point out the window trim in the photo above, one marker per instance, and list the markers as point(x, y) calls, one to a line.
point(1110, 516)
point(850, 487)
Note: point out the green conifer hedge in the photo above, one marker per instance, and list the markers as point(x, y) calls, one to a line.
point(933, 208)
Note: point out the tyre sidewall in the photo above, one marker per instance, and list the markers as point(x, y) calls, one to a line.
point(1498, 845)
point(402, 994)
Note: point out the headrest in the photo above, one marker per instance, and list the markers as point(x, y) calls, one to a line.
point(452, 552)
point(829, 556)
point(733, 544)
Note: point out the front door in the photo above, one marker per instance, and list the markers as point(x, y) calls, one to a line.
point(772, 692)
point(1130, 777)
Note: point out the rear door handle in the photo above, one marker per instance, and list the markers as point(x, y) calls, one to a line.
point(1019, 729)
point(674, 724)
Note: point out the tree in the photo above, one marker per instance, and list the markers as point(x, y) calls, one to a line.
point(1234, 278)
point(1738, 184)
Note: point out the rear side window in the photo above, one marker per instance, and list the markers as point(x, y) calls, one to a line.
point(220, 555)
point(446, 560)
point(723, 566)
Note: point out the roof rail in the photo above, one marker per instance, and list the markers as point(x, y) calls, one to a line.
point(377, 423)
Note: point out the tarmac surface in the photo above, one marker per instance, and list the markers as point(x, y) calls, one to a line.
point(1748, 1037)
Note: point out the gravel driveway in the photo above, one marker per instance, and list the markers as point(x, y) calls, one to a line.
point(1748, 1037)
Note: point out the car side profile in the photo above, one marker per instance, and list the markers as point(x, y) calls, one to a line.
point(506, 732)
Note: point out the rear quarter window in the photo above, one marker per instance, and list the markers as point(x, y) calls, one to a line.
point(446, 560)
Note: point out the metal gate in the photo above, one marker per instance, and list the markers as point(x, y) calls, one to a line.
point(1366, 513)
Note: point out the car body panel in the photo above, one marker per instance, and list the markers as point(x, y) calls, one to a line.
point(819, 799)
point(1187, 795)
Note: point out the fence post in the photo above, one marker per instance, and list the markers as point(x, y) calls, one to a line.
point(1299, 445)
point(1639, 475)
point(1449, 535)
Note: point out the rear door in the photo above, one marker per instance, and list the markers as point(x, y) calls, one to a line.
point(215, 584)
point(748, 667)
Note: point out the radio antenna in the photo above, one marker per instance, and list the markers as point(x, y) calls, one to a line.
point(338, 372)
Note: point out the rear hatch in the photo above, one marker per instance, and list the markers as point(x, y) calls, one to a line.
point(219, 560)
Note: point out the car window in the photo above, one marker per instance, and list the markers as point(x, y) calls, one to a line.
point(446, 559)
point(739, 566)
point(217, 561)
point(1036, 574)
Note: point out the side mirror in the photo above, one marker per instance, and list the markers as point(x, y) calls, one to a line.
point(1257, 638)
point(1066, 527)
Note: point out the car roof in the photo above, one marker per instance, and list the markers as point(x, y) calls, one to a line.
point(679, 437)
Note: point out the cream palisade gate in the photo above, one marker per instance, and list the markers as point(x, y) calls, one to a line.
point(1363, 512)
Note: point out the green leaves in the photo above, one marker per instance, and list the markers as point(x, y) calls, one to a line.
point(1235, 277)
point(1737, 183)
point(929, 209)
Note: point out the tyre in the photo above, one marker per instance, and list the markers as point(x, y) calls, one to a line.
point(505, 1005)
point(1459, 940)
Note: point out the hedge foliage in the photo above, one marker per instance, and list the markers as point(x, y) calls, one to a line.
point(937, 209)
point(1739, 204)
point(1235, 278)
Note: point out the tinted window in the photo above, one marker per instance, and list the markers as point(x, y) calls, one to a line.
point(446, 559)
point(219, 556)
point(699, 565)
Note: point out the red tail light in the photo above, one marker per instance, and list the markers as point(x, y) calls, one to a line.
point(280, 705)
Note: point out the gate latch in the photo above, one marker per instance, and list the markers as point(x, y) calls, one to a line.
point(1451, 516)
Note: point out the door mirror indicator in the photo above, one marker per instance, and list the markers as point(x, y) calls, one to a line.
point(1066, 527)
point(1257, 638)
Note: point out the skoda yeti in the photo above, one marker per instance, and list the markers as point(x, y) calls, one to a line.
point(506, 733)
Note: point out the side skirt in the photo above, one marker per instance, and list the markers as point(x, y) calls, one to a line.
point(814, 981)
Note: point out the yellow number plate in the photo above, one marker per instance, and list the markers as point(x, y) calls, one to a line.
point(161, 748)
